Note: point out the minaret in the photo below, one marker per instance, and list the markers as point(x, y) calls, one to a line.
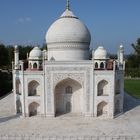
point(16, 66)
point(27, 55)
point(93, 54)
point(121, 51)
point(121, 57)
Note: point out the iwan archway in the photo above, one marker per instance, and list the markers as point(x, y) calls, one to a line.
point(68, 97)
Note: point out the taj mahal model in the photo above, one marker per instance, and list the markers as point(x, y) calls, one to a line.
point(64, 80)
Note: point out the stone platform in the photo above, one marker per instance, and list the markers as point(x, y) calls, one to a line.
point(125, 126)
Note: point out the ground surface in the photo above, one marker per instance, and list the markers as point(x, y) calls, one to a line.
point(132, 86)
point(127, 124)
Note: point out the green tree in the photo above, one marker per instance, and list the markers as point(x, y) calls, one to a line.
point(10, 55)
point(133, 61)
point(23, 50)
point(44, 46)
point(136, 48)
point(5, 83)
point(3, 56)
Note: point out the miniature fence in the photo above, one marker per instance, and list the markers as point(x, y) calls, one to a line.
point(37, 137)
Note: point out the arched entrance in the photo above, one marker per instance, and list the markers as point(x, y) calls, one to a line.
point(68, 97)
point(33, 109)
point(35, 65)
point(102, 88)
point(34, 88)
point(102, 109)
point(18, 87)
point(19, 107)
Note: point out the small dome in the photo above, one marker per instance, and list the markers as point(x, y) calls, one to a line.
point(100, 53)
point(35, 53)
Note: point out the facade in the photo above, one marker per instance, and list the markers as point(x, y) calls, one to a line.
point(63, 80)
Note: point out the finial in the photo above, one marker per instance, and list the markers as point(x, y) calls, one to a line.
point(68, 5)
point(121, 46)
point(16, 47)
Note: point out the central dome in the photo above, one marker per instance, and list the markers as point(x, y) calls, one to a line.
point(68, 38)
point(68, 28)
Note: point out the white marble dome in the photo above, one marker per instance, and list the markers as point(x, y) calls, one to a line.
point(100, 53)
point(35, 53)
point(68, 28)
point(68, 38)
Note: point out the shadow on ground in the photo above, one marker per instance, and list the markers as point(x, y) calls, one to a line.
point(130, 102)
point(8, 118)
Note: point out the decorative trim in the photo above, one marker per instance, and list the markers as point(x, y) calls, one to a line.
point(68, 45)
point(33, 79)
point(58, 77)
point(68, 42)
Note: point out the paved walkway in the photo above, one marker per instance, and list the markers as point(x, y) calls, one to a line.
point(127, 124)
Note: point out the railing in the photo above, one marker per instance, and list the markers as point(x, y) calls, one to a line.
point(38, 137)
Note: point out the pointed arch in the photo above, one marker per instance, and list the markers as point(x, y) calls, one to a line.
point(102, 65)
point(18, 87)
point(35, 65)
point(52, 59)
point(18, 106)
point(30, 66)
point(102, 88)
point(96, 65)
point(68, 97)
point(33, 109)
point(34, 88)
point(78, 78)
point(102, 108)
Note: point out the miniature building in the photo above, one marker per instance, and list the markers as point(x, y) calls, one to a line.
point(64, 80)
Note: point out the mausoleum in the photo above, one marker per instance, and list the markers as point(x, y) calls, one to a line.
point(64, 79)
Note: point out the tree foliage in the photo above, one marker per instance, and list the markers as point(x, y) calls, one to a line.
point(6, 58)
point(7, 54)
point(136, 48)
point(3, 55)
point(44, 46)
point(5, 83)
point(133, 61)
point(23, 50)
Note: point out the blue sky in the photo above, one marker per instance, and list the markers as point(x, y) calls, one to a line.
point(111, 22)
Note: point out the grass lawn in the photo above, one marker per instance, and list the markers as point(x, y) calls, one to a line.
point(132, 86)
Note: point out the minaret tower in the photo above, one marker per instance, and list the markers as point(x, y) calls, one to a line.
point(121, 57)
point(121, 54)
point(16, 66)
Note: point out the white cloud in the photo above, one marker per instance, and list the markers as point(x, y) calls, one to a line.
point(28, 19)
point(20, 20)
point(23, 20)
